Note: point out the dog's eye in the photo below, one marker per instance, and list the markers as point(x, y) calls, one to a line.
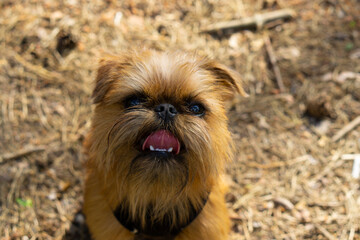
point(133, 101)
point(197, 109)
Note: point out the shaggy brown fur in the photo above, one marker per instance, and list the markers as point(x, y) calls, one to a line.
point(119, 172)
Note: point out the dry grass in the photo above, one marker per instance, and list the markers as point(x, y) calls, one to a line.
point(288, 181)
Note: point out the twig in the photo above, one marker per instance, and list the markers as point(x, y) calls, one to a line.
point(332, 165)
point(247, 196)
point(284, 202)
point(356, 166)
point(352, 232)
point(39, 109)
point(350, 126)
point(246, 231)
point(325, 232)
point(38, 70)
point(273, 60)
point(349, 156)
point(21, 153)
point(279, 163)
point(355, 173)
point(258, 21)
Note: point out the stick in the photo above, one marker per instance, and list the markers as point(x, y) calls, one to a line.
point(258, 21)
point(278, 163)
point(38, 70)
point(246, 231)
point(245, 198)
point(350, 156)
point(325, 232)
point(284, 202)
point(21, 153)
point(350, 126)
point(273, 60)
point(356, 168)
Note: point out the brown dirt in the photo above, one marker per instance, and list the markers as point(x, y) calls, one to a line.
point(288, 181)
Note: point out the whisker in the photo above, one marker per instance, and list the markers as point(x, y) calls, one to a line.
point(119, 121)
point(109, 133)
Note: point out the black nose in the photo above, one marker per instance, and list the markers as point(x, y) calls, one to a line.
point(166, 111)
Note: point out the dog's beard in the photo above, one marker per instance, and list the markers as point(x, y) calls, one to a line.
point(157, 168)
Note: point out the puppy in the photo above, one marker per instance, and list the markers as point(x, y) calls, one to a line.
point(157, 148)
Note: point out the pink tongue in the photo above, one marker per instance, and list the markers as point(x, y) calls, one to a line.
point(162, 140)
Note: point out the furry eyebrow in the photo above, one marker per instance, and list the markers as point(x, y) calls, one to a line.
point(132, 94)
point(191, 99)
point(194, 97)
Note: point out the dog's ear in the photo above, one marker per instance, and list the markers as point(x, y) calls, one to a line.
point(110, 69)
point(228, 79)
point(103, 79)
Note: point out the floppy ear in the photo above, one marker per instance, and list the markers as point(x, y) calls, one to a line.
point(109, 70)
point(228, 79)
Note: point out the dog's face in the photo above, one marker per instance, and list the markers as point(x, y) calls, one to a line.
point(159, 126)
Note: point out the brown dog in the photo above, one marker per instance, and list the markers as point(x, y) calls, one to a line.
point(157, 148)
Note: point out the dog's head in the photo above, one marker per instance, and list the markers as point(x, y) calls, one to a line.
point(159, 123)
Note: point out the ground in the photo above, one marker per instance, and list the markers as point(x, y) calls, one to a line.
point(289, 179)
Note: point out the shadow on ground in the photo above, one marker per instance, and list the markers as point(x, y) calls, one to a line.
point(78, 229)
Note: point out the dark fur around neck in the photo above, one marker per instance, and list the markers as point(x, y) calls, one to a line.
point(159, 230)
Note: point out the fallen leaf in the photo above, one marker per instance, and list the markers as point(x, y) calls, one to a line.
point(24, 203)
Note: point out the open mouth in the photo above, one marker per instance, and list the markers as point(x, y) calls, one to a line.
point(162, 141)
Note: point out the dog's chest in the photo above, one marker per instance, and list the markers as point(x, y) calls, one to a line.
point(156, 230)
point(144, 237)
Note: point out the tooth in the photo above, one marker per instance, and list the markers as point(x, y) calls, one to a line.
point(152, 148)
point(170, 149)
point(160, 150)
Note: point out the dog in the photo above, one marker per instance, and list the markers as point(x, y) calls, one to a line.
point(158, 146)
